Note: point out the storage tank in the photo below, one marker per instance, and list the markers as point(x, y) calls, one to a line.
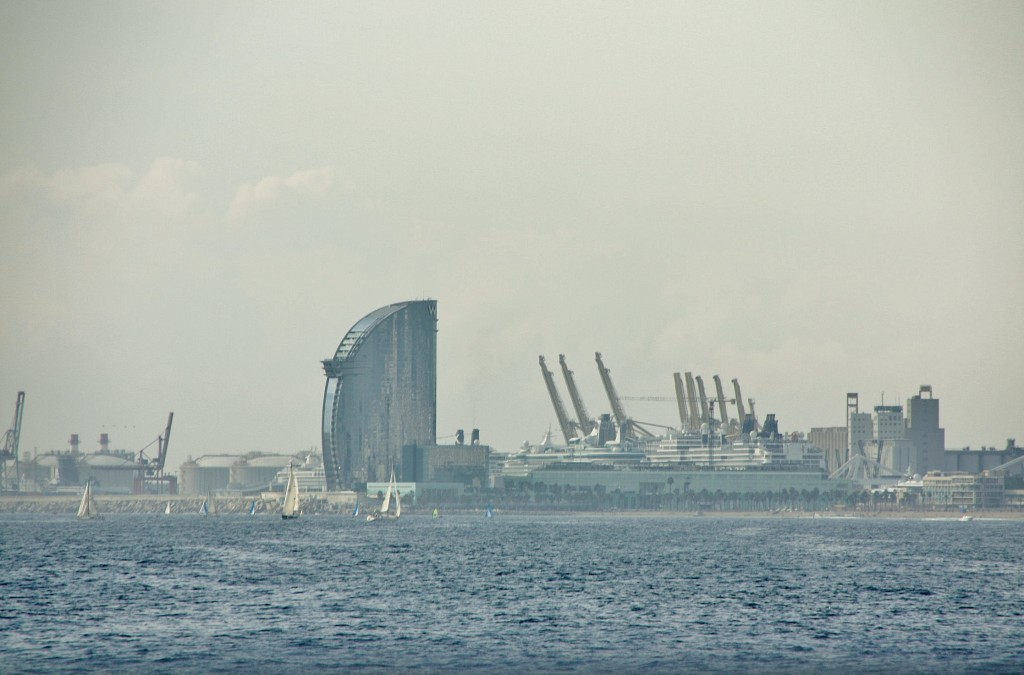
point(254, 472)
point(207, 473)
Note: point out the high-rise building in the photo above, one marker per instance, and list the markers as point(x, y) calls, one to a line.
point(923, 429)
point(381, 393)
point(889, 425)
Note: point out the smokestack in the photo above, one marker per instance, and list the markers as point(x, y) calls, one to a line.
point(474, 437)
point(73, 442)
point(104, 443)
point(460, 437)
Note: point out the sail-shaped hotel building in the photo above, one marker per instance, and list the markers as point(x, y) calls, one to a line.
point(381, 393)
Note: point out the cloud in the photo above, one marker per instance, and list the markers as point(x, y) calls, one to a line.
point(308, 184)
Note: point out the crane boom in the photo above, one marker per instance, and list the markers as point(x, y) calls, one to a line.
point(568, 426)
point(721, 402)
point(739, 401)
point(618, 411)
point(691, 399)
point(684, 417)
point(164, 440)
point(587, 423)
point(613, 398)
point(9, 450)
point(704, 414)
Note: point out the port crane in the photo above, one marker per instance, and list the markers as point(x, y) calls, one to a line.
point(150, 471)
point(739, 402)
point(568, 426)
point(613, 398)
point(587, 423)
point(684, 413)
point(721, 402)
point(9, 449)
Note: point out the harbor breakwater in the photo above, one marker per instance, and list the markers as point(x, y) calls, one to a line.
point(153, 504)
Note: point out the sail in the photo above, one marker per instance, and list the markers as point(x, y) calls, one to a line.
point(356, 511)
point(167, 511)
point(390, 496)
point(204, 508)
point(87, 509)
point(252, 508)
point(490, 511)
point(83, 507)
point(291, 495)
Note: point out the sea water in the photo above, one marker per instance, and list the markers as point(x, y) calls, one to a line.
point(629, 593)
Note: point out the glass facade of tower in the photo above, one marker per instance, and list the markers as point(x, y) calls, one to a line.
point(381, 393)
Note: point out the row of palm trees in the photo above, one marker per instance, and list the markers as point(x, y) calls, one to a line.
point(541, 496)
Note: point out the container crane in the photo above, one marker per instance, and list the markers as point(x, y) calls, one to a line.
point(721, 402)
point(587, 423)
point(151, 471)
point(567, 425)
point(684, 414)
point(705, 415)
point(613, 398)
point(739, 401)
point(9, 449)
point(691, 399)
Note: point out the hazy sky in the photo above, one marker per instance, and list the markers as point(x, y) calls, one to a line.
point(199, 199)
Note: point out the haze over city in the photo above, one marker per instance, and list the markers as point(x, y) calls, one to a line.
point(198, 200)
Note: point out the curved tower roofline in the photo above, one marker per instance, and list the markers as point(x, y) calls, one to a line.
point(357, 333)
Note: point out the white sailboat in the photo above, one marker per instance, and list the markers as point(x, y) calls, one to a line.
point(392, 495)
point(167, 511)
point(291, 496)
point(208, 507)
point(87, 509)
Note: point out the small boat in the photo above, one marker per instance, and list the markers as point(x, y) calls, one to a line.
point(87, 509)
point(490, 511)
point(167, 511)
point(252, 508)
point(436, 513)
point(208, 507)
point(291, 496)
point(391, 497)
point(966, 518)
point(355, 511)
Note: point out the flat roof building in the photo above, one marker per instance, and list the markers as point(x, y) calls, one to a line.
point(381, 393)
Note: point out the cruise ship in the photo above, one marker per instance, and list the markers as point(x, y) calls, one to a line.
point(547, 453)
point(766, 450)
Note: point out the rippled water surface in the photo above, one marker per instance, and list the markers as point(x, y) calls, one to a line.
point(510, 594)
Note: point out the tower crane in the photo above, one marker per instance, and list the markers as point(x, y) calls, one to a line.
point(587, 423)
point(567, 425)
point(9, 449)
